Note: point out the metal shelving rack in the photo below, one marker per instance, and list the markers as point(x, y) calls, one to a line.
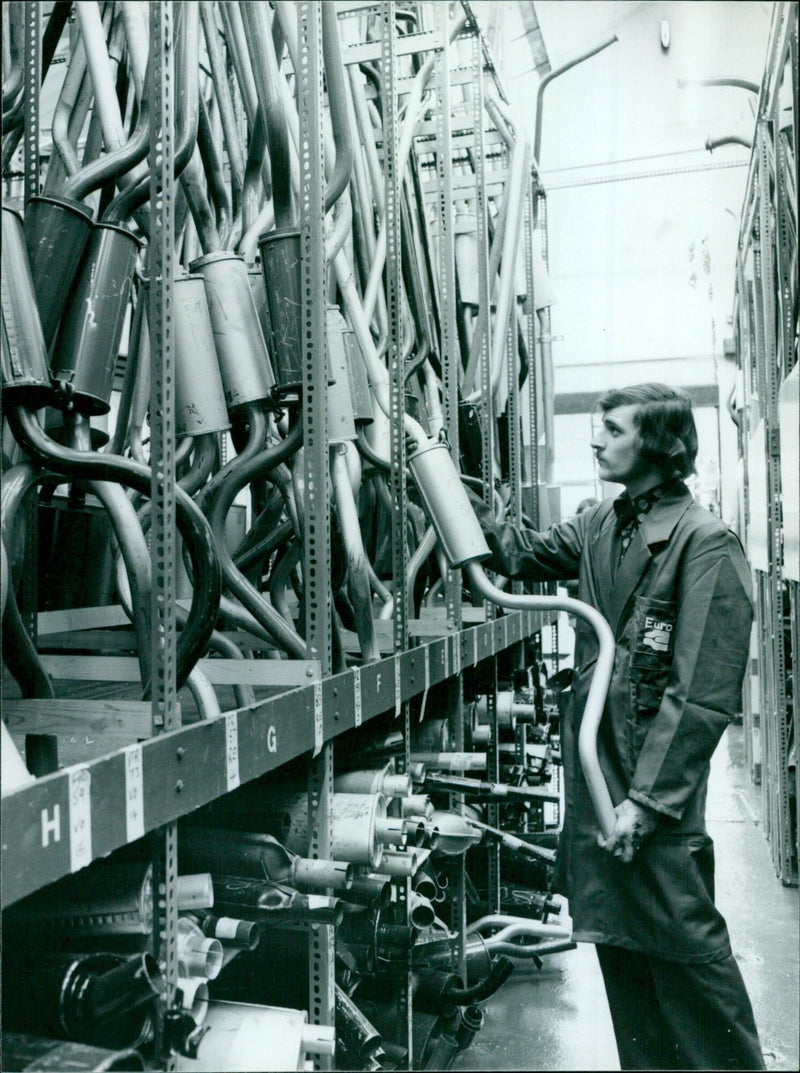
point(766, 321)
point(74, 816)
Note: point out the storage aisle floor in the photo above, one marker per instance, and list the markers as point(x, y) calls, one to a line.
point(558, 1018)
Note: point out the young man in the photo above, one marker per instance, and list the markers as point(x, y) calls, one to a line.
point(674, 584)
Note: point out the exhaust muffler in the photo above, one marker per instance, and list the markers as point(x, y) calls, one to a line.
point(241, 350)
point(24, 355)
point(87, 346)
point(57, 230)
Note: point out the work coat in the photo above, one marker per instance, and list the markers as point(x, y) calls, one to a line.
point(680, 607)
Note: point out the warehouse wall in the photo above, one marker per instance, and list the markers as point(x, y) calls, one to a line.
point(642, 264)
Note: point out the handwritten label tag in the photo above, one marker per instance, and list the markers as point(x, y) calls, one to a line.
point(232, 749)
point(357, 695)
point(134, 793)
point(319, 739)
point(80, 818)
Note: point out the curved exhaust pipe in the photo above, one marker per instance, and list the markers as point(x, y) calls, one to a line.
point(267, 76)
point(192, 525)
point(548, 78)
point(464, 544)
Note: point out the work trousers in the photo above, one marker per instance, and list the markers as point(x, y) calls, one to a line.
point(678, 1015)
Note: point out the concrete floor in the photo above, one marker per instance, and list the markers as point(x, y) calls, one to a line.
point(557, 1017)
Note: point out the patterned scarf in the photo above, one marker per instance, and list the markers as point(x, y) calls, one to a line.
point(630, 512)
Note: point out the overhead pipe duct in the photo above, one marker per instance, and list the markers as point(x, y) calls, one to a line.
point(550, 77)
point(729, 139)
point(544, 316)
point(739, 83)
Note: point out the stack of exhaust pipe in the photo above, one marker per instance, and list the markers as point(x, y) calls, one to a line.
point(78, 349)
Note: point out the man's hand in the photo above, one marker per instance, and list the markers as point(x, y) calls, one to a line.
point(634, 823)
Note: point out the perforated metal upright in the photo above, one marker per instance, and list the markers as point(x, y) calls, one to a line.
point(317, 550)
point(775, 737)
point(28, 594)
point(32, 78)
point(533, 352)
point(487, 425)
point(394, 270)
point(450, 361)
point(163, 547)
point(766, 307)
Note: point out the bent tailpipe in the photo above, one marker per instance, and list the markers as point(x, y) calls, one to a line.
point(461, 536)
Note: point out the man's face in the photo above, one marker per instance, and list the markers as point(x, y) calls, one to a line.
point(615, 442)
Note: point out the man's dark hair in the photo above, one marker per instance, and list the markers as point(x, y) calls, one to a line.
point(665, 422)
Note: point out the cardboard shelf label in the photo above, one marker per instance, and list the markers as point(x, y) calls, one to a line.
point(134, 793)
point(232, 749)
point(80, 818)
point(319, 728)
point(357, 695)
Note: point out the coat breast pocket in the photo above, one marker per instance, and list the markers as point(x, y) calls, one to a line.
point(652, 650)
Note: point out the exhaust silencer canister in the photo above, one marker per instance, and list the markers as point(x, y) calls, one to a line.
point(282, 267)
point(241, 348)
point(359, 382)
point(24, 356)
point(341, 426)
point(354, 822)
point(258, 291)
point(199, 395)
point(447, 504)
point(56, 232)
point(87, 347)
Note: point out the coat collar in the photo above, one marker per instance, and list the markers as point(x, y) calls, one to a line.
point(656, 528)
point(657, 525)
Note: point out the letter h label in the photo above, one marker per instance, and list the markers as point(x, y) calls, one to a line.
point(51, 826)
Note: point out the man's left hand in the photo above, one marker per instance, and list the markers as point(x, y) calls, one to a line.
point(633, 824)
